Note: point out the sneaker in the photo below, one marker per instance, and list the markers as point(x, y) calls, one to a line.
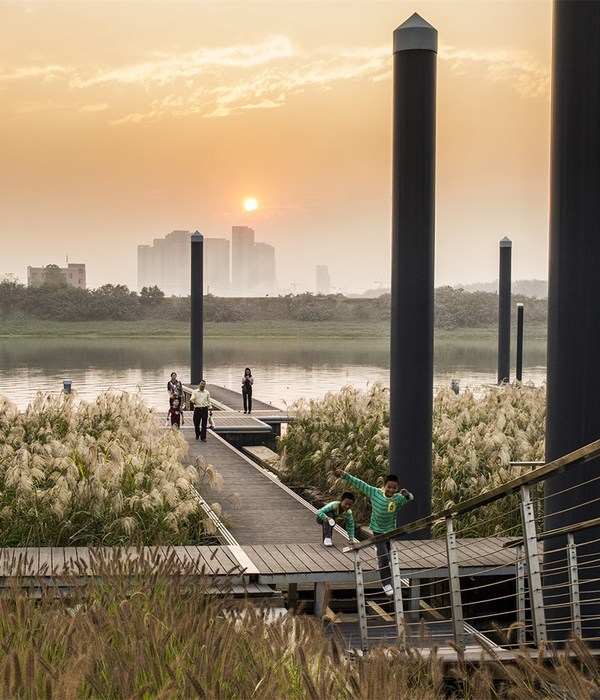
point(388, 590)
point(328, 542)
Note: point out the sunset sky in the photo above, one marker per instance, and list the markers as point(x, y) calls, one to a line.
point(123, 120)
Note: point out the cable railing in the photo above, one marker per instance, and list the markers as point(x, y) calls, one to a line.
point(523, 587)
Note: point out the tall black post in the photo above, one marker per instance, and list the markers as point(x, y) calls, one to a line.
point(573, 378)
point(197, 311)
point(413, 209)
point(504, 311)
point(520, 315)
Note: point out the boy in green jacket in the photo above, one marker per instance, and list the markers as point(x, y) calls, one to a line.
point(385, 502)
point(337, 511)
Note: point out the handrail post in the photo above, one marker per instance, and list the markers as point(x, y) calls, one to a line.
point(398, 602)
point(574, 585)
point(536, 598)
point(521, 617)
point(360, 601)
point(458, 623)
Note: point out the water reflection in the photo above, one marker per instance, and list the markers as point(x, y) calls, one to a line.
point(284, 369)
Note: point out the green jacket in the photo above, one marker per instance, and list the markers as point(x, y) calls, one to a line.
point(332, 510)
point(383, 509)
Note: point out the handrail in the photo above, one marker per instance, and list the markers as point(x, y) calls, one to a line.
point(583, 454)
point(548, 534)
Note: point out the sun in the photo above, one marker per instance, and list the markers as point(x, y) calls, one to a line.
point(250, 204)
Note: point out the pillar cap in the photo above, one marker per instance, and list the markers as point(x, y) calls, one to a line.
point(415, 33)
point(506, 243)
point(197, 237)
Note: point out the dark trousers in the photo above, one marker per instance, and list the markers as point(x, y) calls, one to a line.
point(247, 396)
point(327, 528)
point(200, 421)
point(383, 560)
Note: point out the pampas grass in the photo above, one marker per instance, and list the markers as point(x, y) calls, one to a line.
point(99, 473)
point(476, 435)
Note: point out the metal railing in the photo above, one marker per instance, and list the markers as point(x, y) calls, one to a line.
point(523, 587)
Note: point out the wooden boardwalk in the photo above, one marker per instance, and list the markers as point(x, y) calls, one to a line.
point(270, 513)
point(274, 564)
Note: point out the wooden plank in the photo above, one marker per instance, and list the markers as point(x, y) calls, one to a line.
point(68, 560)
point(7, 555)
point(294, 557)
point(272, 564)
point(243, 560)
point(380, 611)
point(44, 561)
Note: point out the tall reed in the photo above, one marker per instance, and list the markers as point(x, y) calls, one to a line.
point(104, 472)
point(476, 435)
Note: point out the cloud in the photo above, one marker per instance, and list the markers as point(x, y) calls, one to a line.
point(98, 107)
point(515, 68)
point(217, 83)
point(167, 68)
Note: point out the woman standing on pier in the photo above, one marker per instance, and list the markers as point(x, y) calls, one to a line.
point(202, 409)
point(247, 382)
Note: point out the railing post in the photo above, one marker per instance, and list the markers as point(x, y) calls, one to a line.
point(360, 602)
point(521, 616)
point(574, 585)
point(536, 598)
point(458, 623)
point(398, 602)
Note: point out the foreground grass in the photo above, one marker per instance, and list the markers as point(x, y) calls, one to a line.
point(268, 328)
point(162, 631)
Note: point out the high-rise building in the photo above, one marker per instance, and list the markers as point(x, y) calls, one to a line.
point(145, 278)
point(74, 274)
point(243, 263)
point(177, 261)
point(323, 280)
point(266, 280)
point(216, 266)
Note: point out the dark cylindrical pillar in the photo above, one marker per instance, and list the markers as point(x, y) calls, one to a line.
point(504, 285)
point(520, 316)
point(197, 311)
point(413, 209)
point(573, 379)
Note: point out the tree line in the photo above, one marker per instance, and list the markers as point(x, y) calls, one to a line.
point(454, 307)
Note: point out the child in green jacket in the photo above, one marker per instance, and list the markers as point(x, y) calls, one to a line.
point(337, 511)
point(385, 502)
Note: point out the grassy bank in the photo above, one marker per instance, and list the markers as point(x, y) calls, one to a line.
point(269, 328)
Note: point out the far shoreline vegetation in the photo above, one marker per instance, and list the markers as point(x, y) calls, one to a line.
point(57, 310)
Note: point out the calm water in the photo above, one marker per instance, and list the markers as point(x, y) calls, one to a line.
point(284, 369)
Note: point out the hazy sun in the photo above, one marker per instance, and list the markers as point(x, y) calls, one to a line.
point(250, 204)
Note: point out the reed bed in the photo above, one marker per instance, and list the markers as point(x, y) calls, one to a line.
point(153, 629)
point(476, 435)
point(99, 473)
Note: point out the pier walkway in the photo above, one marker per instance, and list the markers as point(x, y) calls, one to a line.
point(462, 593)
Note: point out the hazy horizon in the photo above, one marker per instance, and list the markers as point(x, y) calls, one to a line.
point(124, 120)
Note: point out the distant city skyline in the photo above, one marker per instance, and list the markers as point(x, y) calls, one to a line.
point(240, 267)
point(112, 136)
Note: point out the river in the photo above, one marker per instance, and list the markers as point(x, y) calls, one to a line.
point(284, 369)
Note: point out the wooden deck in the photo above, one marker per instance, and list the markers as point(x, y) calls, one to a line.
point(275, 563)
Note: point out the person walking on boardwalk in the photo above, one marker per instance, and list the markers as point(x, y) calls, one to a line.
point(247, 382)
point(385, 502)
point(202, 409)
point(175, 414)
point(175, 389)
point(337, 512)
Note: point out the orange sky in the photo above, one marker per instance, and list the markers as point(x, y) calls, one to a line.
point(123, 120)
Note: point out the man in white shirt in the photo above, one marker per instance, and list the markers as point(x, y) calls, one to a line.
point(202, 408)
